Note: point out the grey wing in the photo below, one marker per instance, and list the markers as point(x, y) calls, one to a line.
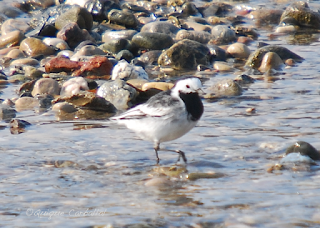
point(160, 105)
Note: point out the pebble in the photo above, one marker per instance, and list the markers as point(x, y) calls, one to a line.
point(17, 24)
point(97, 66)
point(239, 50)
point(304, 148)
point(119, 93)
point(88, 50)
point(6, 112)
point(161, 27)
point(61, 64)
point(226, 87)
point(35, 47)
point(271, 60)
point(64, 107)
point(74, 86)
point(57, 43)
point(152, 40)
point(162, 86)
point(46, 86)
point(26, 103)
point(222, 66)
point(11, 39)
point(15, 54)
point(25, 61)
point(124, 70)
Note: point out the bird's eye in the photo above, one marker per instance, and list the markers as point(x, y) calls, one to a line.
point(188, 86)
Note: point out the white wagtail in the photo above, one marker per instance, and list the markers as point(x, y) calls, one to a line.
point(167, 115)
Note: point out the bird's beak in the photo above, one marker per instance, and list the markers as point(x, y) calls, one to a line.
point(200, 91)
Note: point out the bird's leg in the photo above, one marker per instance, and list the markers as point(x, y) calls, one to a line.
point(181, 154)
point(156, 148)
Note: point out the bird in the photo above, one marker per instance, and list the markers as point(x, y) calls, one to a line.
point(167, 115)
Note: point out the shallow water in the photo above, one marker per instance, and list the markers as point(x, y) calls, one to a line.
point(107, 179)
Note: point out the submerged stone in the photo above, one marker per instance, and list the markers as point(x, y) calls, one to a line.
point(304, 148)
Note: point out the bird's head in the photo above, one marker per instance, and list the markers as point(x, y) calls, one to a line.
point(188, 85)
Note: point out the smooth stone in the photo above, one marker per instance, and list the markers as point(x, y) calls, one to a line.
point(158, 182)
point(34, 47)
point(271, 60)
point(150, 57)
point(199, 36)
point(10, 11)
point(118, 92)
point(88, 101)
point(160, 27)
point(195, 26)
point(239, 50)
point(163, 86)
point(116, 45)
point(304, 148)
point(18, 126)
point(11, 39)
point(152, 40)
point(255, 58)
point(196, 176)
point(61, 64)
point(6, 112)
point(73, 34)
point(25, 61)
point(5, 51)
point(46, 86)
point(126, 71)
point(57, 43)
point(108, 36)
point(66, 53)
point(32, 72)
point(76, 14)
point(286, 29)
point(11, 25)
point(222, 66)
point(64, 107)
point(89, 50)
point(226, 87)
point(185, 54)
point(123, 17)
point(15, 54)
point(74, 86)
point(137, 83)
point(124, 54)
point(222, 34)
point(26, 103)
point(96, 66)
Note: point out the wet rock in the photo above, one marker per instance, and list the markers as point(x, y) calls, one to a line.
point(26, 103)
point(222, 66)
point(199, 36)
point(88, 100)
point(161, 27)
point(222, 35)
point(216, 9)
point(115, 46)
point(266, 17)
point(162, 86)
point(89, 50)
point(123, 17)
point(195, 26)
point(196, 176)
point(225, 87)
point(217, 53)
point(17, 24)
point(46, 86)
point(299, 13)
point(56, 43)
point(124, 54)
point(45, 101)
point(73, 35)
point(271, 60)
point(98, 66)
point(108, 36)
point(35, 47)
point(61, 64)
point(239, 50)
point(73, 86)
point(244, 79)
point(15, 54)
point(11, 39)
point(185, 54)
point(137, 83)
point(6, 112)
point(32, 72)
point(152, 40)
point(64, 107)
point(304, 148)
point(118, 92)
point(25, 61)
point(76, 14)
point(18, 126)
point(150, 57)
point(124, 70)
point(296, 158)
point(255, 58)
point(158, 182)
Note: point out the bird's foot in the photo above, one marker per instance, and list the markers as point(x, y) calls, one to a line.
point(181, 155)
